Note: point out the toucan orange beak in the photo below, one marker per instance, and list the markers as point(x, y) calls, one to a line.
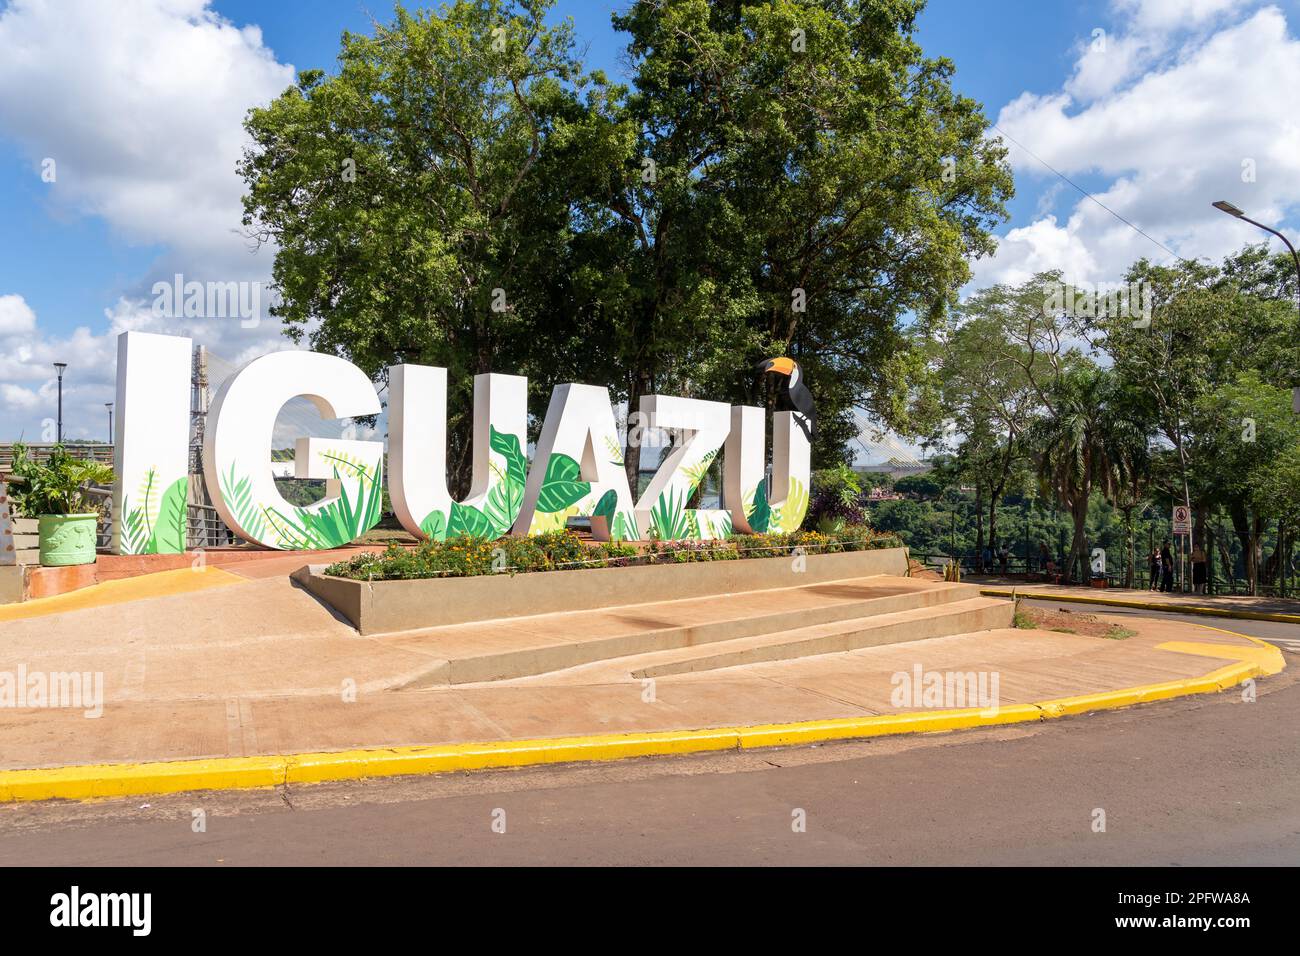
point(782, 365)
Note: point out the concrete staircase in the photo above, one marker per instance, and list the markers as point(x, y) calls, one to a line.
point(918, 624)
point(698, 634)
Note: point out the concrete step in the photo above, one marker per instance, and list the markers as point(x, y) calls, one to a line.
point(957, 617)
point(559, 641)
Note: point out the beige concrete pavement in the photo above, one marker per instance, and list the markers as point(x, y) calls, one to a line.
point(261, 667)
point(1174, 599)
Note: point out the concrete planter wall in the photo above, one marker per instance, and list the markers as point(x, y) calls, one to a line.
point(380, 606)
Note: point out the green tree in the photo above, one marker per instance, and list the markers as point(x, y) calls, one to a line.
point(1247, 444)
point(1072, 455)
point(1128, 469)
point(989, 391)
point(420, 198)
point(785, 176)
point(805, 177)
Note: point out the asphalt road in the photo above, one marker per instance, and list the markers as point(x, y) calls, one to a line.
point(1211, 780)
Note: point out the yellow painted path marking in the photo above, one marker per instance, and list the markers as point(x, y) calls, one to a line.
point(158, 584)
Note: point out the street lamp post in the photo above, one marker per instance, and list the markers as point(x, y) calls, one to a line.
point(59, 367)
point(1225, 206)
point(109, 406)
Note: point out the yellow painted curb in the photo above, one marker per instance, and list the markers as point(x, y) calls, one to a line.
point(852, 728)
point(1145, 605)
point(231, 773)
point(158, 584)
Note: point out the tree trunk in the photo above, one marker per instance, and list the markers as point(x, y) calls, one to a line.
point(1225, 558)
point(1079, 544)
point(638, 385)
point(1129, 547)
point(993, 523)
point(1273, 566)
point(1241, 526)
point(1256, 553)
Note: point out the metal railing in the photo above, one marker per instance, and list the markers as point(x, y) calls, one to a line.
point(1115, 577)
point(40, 451)
point(206, 529)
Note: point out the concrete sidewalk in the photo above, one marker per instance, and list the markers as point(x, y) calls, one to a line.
point(1286, 610)
point(260, 668)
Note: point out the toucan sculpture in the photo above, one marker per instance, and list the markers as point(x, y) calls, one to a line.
point(796, 391)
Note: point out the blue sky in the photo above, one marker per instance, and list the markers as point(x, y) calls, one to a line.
point(140, 114)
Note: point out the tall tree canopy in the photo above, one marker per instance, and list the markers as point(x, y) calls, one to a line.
point(420, 198)
point(814, 180)
point(785, 176)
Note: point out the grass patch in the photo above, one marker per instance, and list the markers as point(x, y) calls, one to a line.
point(1023, 620)
point(1119, 633)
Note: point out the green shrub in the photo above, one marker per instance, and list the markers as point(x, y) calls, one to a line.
point(564, 550)
point(56, 486)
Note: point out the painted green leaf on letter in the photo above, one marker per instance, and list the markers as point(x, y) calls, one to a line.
point(506, 497)
point(169, 530)
point(606, 506)
point(760, 514)
point(562, 485)
point(468, 520)
point(435, 525)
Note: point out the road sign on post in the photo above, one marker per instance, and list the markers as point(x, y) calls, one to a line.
point(1182, 520)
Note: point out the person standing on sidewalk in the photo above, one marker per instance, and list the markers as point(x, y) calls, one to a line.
point(1198, 570)
point(1166, 568)
point(1155, 569)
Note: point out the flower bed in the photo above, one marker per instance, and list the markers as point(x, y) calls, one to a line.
point(564, 550)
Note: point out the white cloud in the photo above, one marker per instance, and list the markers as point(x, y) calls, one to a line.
point(1106, 63)
point(19, 397)
point(140, 105)
point(1172, 14)
point(1179, 134)
point(16, 316)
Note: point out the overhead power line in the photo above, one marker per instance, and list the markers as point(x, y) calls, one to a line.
point(1089, 195)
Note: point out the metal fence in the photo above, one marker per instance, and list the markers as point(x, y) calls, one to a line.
point(39, 451)
point(1033, 571)
point(206, 529)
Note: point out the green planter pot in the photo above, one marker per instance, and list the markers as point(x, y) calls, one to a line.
point(67, 539)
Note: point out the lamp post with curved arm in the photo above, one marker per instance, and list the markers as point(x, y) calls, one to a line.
point(1231, 210)
point(1225, 206)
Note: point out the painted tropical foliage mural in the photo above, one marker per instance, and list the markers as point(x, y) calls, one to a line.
point(154, 518)
point(671, 520)
point(565, 495)
point(500, 508)
point(329, 524)
point(764, 517)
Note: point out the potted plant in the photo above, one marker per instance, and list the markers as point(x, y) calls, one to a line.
point(56, 492)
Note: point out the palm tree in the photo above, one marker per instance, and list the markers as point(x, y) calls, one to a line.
point(1127, 469)
point(1071, 453)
